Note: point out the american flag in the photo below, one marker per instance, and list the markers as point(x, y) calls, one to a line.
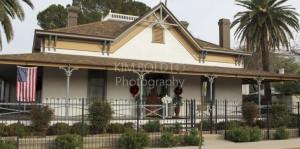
point(26, 84)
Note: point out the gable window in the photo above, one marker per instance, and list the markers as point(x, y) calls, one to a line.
point(158, 34)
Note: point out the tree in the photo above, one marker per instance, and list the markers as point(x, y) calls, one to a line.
point(290, 66)
point(55, 16)
point(11, 9)
point(265, 26)
point(90, 11)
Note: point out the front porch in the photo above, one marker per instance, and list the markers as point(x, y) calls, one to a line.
point(89, 85)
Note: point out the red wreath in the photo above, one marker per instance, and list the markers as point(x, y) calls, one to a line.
point(178, 91)
point(134, 89)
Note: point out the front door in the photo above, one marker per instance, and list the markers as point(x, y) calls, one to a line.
point(155, 89)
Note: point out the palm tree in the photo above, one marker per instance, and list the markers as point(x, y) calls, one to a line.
point(265, 26)
point(11, 9)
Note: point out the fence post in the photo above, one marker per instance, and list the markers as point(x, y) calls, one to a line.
point(298, 117)
point(186, 115)
point(18, 115)
point(216, 118)
point(137, 115)
point(82, 118)
point(225, 119)
point(192, 113)
point(211, 117)
point(268, 120)
point(195, 117)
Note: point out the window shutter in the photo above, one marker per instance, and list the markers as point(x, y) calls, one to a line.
point(157, 34)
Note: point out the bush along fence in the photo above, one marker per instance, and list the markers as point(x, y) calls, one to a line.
point(90, 123)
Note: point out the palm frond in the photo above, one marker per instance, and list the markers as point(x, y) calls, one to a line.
point(11, 9)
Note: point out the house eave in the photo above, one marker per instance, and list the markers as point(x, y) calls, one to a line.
point(53, 33)
point(88, 62)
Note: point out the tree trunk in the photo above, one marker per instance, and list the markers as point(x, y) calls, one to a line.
point(266, 67)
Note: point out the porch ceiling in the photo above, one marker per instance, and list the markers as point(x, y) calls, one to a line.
point(88, 62)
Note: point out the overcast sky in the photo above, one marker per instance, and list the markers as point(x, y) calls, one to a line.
point(203, 16)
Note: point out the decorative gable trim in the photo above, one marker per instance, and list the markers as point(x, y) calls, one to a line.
point(161, 7)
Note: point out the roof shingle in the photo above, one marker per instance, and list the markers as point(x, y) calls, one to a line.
point(105, 29)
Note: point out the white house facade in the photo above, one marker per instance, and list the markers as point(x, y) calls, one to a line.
point(106, 56)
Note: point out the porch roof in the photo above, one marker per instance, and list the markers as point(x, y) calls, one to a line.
point(89, 62)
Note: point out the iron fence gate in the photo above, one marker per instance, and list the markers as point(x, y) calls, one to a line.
point(217, 118)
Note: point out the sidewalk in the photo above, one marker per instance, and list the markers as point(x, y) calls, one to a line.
point(217, 142)
point(270, 144)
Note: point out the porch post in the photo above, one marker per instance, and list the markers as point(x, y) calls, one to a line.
point(68, 72)
point(211, 79)
point(141, 76)
point(259, 81)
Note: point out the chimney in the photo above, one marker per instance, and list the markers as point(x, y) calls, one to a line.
point(224, 33)
point(185, 24)
point(72, 15)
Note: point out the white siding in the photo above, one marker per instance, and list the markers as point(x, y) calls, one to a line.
point(54, 84)
point(118, 91)
point(229, 89)
point(191, 86)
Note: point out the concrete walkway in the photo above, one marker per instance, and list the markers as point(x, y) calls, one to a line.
point(217, 142)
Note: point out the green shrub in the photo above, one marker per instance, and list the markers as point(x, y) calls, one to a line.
point(205, 125)
point(8, 144)
point(281, 134)
point(293, 122)
point(192, 139)
point(250, 111)
point(261, 123)
point(255, 134)
point(152, 126)
point(280, 115)
point(100, 114)
point(168, 139)
point(3, 130)
point(174, 128)
point(230, 124)
point(59, 129)
point(18, 130)
point(77, 128)
point(133, 140)
point(244, 134)
point(238, 134)
point(41, 118)
point(129, 125)
point(68, 141)
point(116, 128)
point(177, 128)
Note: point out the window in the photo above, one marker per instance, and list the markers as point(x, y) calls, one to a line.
point(96, 85)
point(158, 34)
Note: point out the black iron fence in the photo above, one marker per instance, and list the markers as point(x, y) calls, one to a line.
point(73, 117)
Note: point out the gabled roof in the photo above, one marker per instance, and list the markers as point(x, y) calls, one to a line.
point(105, 29)
point(114, 30)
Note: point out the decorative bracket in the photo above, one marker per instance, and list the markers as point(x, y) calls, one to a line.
point(202, 56)
point(68, 70)
point(238, 60)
